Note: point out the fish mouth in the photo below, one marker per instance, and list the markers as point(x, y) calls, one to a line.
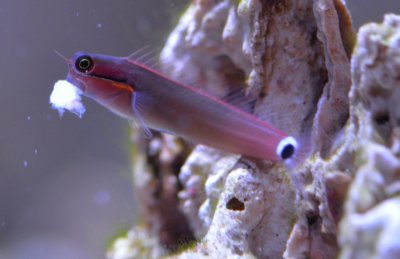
point(76, 82)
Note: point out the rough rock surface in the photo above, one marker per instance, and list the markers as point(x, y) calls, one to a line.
point(292, 56)
point(371, 223)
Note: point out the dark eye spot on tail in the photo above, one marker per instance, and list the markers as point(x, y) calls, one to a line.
point(287, 151)
point(286, 148)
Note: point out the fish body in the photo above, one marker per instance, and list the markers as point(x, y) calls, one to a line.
point(155, 101)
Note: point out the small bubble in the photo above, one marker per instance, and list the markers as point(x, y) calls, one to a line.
point(99, 25)
point(35, 151)
point(25, 163)
point(28, 118)
point(77, 14)
point(102, 198)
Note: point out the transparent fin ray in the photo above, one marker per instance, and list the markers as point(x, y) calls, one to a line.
point(139, 118)
point(240, 100)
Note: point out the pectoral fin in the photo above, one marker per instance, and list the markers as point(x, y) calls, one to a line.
point(138, 117)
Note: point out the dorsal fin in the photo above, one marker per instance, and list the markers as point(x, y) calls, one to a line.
point(240, 100)
point(236, 96)
point(146, 56)
point(136, 54)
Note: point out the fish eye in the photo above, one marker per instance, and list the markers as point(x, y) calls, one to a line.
point(286, 148)
point(84, 64)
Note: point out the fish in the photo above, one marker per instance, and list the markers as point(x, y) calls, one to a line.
point(137, 92)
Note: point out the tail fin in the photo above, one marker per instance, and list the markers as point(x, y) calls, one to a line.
point(294, 151)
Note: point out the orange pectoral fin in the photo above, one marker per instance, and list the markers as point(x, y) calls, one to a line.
point(123, 86)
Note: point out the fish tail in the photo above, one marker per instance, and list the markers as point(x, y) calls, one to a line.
point(294, 151)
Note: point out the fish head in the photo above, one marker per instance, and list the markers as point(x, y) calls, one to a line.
point(104, 79)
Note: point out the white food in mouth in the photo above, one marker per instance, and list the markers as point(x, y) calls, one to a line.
point(66, 96)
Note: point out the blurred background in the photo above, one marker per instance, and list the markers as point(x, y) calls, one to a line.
point(65, 186)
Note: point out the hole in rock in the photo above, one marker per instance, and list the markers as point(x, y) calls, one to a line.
point(381, 118)
point(235, 204)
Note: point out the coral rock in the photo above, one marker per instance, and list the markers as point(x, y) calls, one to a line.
point(293, 58)
point(371, 221)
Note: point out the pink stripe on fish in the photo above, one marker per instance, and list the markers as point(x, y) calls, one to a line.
point(155, 101)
